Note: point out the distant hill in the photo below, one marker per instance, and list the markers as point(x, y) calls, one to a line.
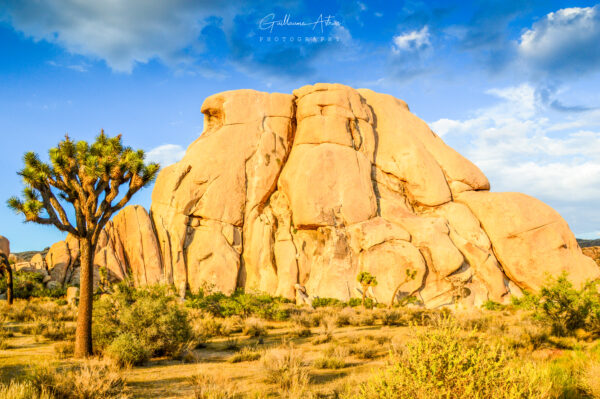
point(27, 255)
point(588, 243)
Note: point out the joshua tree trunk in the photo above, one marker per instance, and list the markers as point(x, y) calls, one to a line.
point(364, 294)
point(395, 294)
point(9, 284)
point(5, 267)
point(83, 337)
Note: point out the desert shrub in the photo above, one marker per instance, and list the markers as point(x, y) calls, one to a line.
point(241, 304)
point(327, 362)
point(254, 327)
point(474, 320)
point(323, 302)
point(285, 368)
point(209, 387)
point(22, 390)
point(566, 308)
point(29, 285)
point(4, 335)
point(20, 311)
point(491, 305)
point(335, 349)
point(427, 317)
point(151, 317)
point(328, 323)
point(232, 344)
point(92, 379)
point(443, 362)
point(591, 379)
point(344, 317)
point(530, 336)
point(364, 349)
point(303, 319)
point(65, 349)
point(363, 318)
point(246, 354)
point(58, 331)
point(231, 325)
point(393, 317)
point(355, 302)
point(302, 332)
point(207, 327)
point(127, 350)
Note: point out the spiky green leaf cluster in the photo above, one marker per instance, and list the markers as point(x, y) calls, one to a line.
point(366, 279)
point(88, 176)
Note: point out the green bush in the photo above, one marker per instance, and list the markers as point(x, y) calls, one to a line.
point(491, 305)
point(566, 308)
point(443, 363)
point(30, 285)
point(241, 304)
point(151, 317)
point(127, 350)
point(328, 362)
point(323, 302)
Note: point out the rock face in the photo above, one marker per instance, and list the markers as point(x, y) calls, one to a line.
point(307, 190)
point(295, 194)
point(127, 248)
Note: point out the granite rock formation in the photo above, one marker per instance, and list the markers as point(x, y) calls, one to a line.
point(302, 191)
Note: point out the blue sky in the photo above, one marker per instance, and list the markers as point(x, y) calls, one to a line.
point(512, 85)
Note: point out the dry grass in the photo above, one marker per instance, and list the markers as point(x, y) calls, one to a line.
point(209, 387)
point(284, 366)
point(348, 347)
point(92, 379)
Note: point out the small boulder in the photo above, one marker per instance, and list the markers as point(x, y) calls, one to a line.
point(72, 296)
point(53, 285)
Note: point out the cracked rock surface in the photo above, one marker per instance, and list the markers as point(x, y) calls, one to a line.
point(310, 188)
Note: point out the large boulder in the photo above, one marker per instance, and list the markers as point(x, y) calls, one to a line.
point(127, 247)
point(297, 193)
point(301, 192)
point(530, 239)
point(62, 260)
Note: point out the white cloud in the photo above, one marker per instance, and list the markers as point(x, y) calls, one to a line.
point(412, 41)
point(517, 144)
point(120, 32)
point(166, 154)
point(567, 40)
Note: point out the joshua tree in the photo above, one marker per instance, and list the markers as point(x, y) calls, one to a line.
point(410, 275)
point(5, 268)
point(88, 177)
point(366, 280)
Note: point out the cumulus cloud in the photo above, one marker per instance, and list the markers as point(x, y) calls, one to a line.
point(410, 53)
point(122, 33)
point(166, 154)
point(565, 41)
point(523, 145)
point(416, 40)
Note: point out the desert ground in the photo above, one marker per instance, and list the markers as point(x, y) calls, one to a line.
point(258, 346)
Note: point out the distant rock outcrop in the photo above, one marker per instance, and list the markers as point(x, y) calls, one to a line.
point(592, 252)
point(302, 191)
